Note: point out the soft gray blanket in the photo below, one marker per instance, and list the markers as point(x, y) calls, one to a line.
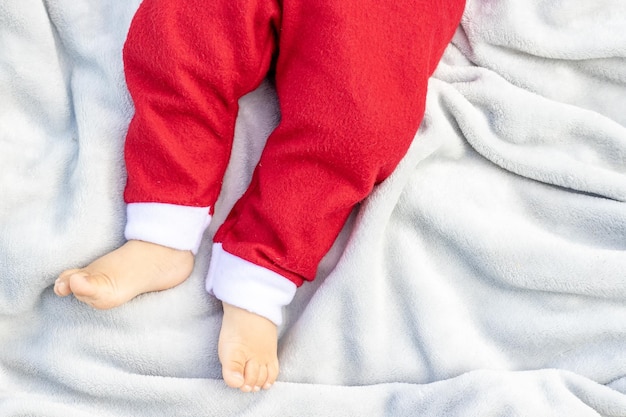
point(486, 277)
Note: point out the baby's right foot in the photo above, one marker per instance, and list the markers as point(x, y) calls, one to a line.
point(135, 268)
point(247, 349)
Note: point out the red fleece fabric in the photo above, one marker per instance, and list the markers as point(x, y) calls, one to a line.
point(351, 79)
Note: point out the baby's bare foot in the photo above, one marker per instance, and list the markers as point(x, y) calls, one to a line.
point(135, 268)
point(248, 350)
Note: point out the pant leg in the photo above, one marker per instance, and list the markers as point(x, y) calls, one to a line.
point(351, 79)
point(187, 63)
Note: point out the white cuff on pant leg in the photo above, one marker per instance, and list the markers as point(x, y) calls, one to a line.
point(174, 226)
point(246, 285)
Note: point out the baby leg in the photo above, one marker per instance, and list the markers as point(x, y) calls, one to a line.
point(352, 94)
point(177, 146)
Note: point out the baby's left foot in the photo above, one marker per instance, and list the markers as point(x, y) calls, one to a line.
point(135, 268)
point(248, 350)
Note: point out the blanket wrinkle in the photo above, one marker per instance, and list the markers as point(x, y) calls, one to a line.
point(582, 61)
point(486, 276)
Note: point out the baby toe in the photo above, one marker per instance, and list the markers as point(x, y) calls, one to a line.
point(261, 379)
point(251, 376)
point(62, 288)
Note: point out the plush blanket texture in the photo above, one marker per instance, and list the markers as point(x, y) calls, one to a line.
point(486, 277)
